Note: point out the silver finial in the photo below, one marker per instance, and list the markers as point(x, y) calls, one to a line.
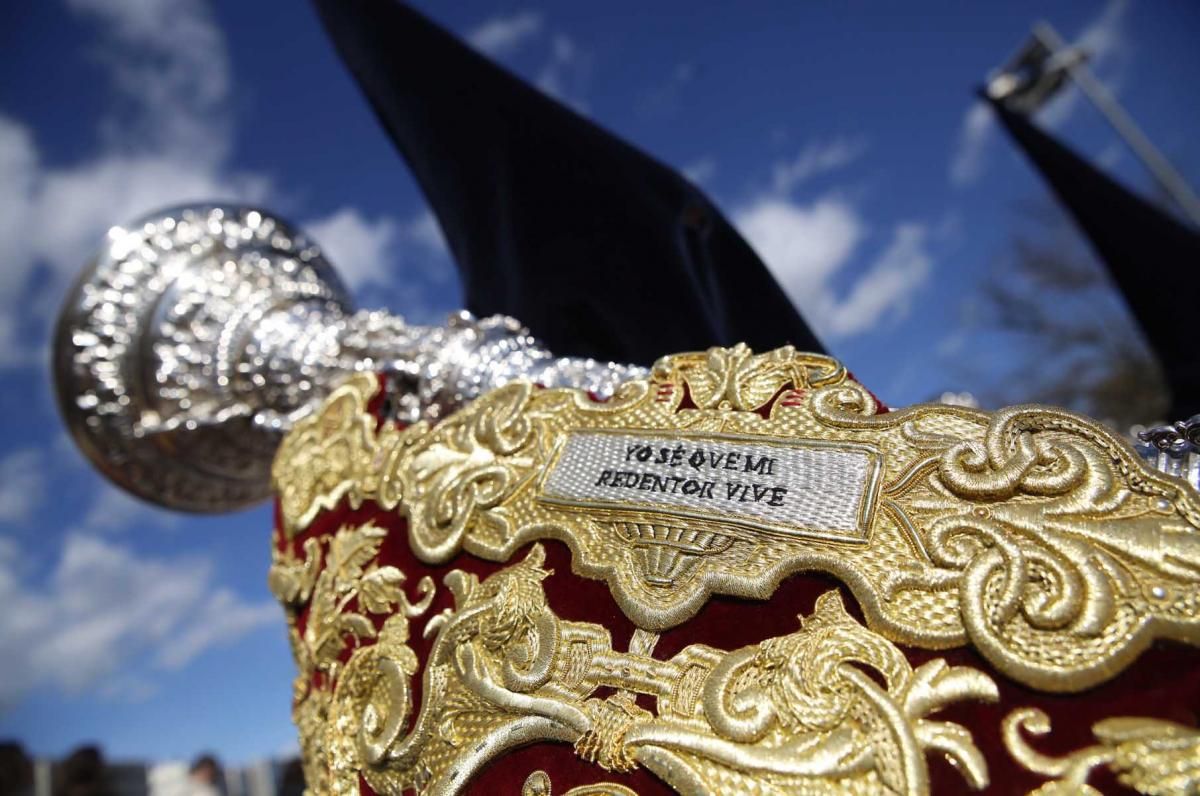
point(199, 335)
point(1173, 448)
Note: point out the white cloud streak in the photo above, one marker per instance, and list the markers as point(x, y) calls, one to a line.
point(887, 287)
point(170, 65)
point(220, 618)
point(165, 141)
point(116, 511)
point(103, 609)
point(808, 245)
point(804, 245)
point(364, 251)
point(359, 249)
point(814, 159)
point(663, 100)
point(566, 72)
point(22, 484)
point(503, 35)
point(702, 170)
point(978, 128)
point(425, 231)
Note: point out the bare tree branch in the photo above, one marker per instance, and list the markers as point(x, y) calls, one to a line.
point(1075, 341)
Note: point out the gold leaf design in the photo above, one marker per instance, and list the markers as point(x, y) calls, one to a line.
point(538, 784)
point(1151, 756)
point(461, 476)
point(738, 379)
point(333, 576)
point(291, 579)
point(832, 707)
point(336, 453)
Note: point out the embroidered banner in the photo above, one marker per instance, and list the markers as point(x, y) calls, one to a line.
point(795, 487)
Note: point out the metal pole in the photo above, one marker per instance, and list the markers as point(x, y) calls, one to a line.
point(43, 777)
point(1162, 170)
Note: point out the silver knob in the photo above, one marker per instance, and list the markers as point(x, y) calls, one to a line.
point(199, 334)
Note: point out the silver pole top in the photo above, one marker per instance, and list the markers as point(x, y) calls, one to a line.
point(154, 374)
point(199, 334)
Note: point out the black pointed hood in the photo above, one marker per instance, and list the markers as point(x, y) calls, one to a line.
point(600, 249)
point(1152, 258)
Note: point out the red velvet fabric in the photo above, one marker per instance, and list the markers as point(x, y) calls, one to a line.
point(1163, 683)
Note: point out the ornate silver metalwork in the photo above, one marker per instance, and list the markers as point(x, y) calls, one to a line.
point(1174, 448)
point(200, 334)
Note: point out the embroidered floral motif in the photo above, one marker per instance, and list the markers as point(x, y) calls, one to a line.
point(538, 784)
point(832, 707)
point(1149, 755)
point(342, 586)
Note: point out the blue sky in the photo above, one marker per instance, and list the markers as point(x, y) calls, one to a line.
point(846, 146)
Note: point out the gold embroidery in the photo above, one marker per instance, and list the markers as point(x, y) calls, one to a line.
point(735, 378)
point(349, 577)
point(538, 784)
point(334, 454)
point(1149, 755)
point(831, 707)
point(1032, 533)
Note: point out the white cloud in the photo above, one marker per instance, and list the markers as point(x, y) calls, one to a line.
point(425, 231)
point(886, 289)
point(663, 99)
point(702, 170)
point(808, 245)
point(103, 610)
point(566, 72)
point(977, 130)
point(128, 689)
point(221, 618)
point(505, 34)
point(814, 159)
point(804, 246)
point(1108, 54)
point(364, 251)
point(359, 249)
point(166, 141)
point(25, 474)
point(115, 510)
point(22, 484)
point(170, 64)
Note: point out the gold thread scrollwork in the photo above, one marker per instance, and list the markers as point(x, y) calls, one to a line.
point(337, 453)
point(1151, 756)
point(342, 587)
point(538, 784)
point(832, 707)
point(737, 379)
point(461, 477)
point(1033, 534)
